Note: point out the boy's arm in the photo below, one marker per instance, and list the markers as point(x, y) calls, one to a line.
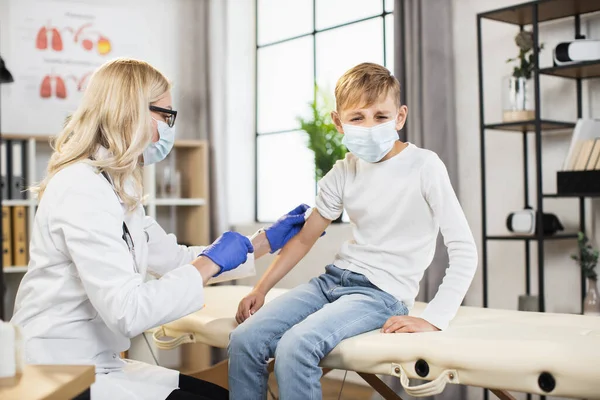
point(287, 259)
point(462, 252)
point(293, 252)
point(439, 194)
point(329, 206)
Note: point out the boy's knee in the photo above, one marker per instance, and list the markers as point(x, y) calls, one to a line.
point(293, 345)
point(242, 340)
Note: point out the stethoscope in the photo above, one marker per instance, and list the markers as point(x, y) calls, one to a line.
point(126, 235)
point(130, 245)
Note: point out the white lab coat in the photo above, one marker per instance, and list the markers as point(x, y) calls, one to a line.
point(84, 295)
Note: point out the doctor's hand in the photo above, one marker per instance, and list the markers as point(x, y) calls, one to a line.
point(286, 228)
point(407, 324)
point(249, 305)
point(229, 251)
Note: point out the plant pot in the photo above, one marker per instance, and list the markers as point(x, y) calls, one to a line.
point(516, 100)
point(528, 303)
point(591, 303)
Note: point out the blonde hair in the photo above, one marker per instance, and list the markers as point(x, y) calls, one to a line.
point(364, 84)
point(114, 113)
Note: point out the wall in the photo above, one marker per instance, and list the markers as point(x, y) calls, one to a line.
point(240, 110)
point(504, 157)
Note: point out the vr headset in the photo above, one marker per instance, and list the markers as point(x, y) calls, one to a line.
point(524, 222)
point(576, 51)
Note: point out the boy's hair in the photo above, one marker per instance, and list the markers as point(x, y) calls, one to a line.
point(364, 84)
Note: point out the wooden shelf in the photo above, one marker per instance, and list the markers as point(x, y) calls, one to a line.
point(529, 126)
point(18, 136)
point(180, 202)
point(583, 70)
point(17, 202)
point(189, 143)
point(548, 10)
point(48, 138)
point(14, 270)
point(557, 236)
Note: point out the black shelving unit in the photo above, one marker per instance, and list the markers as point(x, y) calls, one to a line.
point(532, 14)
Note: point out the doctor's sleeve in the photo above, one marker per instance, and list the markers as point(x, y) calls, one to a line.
point(462, 252)
point(92, 233)
point(164, 253)
point(329, 202)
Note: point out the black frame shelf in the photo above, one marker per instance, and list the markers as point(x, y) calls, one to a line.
point(546, 10)
point(530, 126)
point(580, 70)
point(574, 195)
point(533, 14)
point(557, 236)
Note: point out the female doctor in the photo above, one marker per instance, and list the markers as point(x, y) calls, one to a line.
point(84, 294)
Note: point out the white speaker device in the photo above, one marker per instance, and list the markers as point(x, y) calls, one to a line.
point(576, 51)
point(522, 221)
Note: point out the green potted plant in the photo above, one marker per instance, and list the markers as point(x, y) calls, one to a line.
point(517, 100)
point(587, 260)
point(323, 138)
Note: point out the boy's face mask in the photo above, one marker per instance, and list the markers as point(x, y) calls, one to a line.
point(370, 144)
point(158, 151)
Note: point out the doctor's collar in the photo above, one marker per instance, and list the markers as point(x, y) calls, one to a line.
point(102, 153)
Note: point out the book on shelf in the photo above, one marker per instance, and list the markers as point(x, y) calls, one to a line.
point(6, 237)
point(594, 156)
point(584, 155)
point(584, 149)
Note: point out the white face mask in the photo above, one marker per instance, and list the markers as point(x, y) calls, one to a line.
point(156, 152)
point(370, 144)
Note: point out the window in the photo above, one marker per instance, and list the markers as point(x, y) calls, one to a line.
point(300, 42)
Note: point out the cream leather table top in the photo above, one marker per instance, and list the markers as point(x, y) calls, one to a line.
point(495, 349)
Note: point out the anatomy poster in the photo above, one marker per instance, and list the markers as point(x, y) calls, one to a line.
point(54, 48)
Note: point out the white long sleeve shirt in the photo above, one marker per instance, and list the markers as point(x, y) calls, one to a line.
point(397, 207)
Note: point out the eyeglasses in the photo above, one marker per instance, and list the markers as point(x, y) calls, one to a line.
point(170, 118)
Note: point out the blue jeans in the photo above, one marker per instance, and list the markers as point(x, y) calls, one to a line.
point(301, 327)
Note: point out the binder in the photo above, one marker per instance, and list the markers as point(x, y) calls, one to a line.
point(19, 223)
point(6, 237)
point(17, 169)
point(4, 170)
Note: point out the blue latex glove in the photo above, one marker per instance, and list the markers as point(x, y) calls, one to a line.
point(229, 251)
point(286, 227)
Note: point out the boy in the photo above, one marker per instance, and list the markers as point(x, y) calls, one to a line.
point(398, 197)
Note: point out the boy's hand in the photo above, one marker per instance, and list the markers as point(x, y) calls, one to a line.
point(249, 305)
point(407, 324)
